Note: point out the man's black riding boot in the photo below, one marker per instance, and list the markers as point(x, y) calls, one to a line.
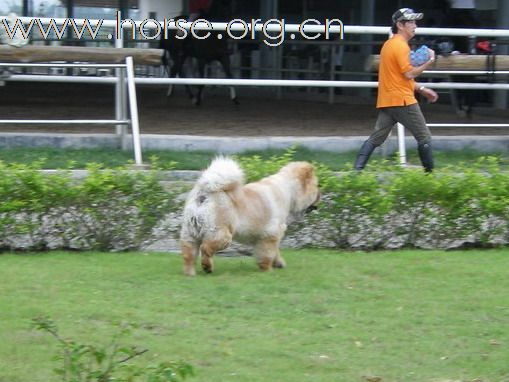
point(426, 156)
point(364, 154)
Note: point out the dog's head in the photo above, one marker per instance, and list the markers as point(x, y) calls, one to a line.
point(306, 193)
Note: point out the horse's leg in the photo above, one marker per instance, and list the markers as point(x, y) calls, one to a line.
point(172, 73)
point(225, 63)
point(201, 72)
point(178, 70)
point(168, 68)
point(469, 97)
point(188, 88)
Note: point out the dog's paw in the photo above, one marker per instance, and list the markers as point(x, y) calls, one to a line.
point(265, 264)
point(207, 266)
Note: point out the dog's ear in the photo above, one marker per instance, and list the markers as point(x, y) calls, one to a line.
point(305, 173)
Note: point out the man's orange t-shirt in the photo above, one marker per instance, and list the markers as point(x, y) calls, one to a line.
point(394, 89)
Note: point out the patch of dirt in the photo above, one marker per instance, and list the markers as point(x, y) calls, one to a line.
point(260, 112)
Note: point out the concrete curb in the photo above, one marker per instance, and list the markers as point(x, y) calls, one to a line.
point(230, 145)
point(166, 176)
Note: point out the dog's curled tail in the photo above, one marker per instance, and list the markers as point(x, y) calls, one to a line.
point(223, 174)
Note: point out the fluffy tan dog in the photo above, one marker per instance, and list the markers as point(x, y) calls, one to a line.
point(221, 208)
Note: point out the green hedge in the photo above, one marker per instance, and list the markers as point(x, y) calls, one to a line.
point(395, 207)
point(110, 209)
point(387, 207)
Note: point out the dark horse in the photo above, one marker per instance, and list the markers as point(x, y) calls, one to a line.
point(212, 48)
point(463, 99)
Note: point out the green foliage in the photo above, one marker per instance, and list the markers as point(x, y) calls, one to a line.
point(113, 200)
point(399, 207)
point(391, 207)
point(256, 167)
point(28, 197)
point(412, 208)
point(81, 362)
point(110, 209)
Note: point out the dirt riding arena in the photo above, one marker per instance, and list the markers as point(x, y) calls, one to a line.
point(260, 112)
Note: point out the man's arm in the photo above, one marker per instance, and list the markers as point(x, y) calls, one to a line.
point(430, 94)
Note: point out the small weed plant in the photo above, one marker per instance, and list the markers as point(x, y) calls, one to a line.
point(111, 363)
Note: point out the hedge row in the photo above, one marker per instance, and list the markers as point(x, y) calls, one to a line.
point(454, 207)
point(110, 209)
point(385, 208)
point(394, 207)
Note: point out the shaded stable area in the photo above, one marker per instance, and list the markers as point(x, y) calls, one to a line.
point(259, 114)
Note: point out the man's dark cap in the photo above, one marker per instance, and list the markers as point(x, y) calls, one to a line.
point(406, 14)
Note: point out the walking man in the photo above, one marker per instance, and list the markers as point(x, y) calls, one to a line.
point(396, 100)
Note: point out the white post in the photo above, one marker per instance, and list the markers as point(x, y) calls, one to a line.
point(120, 98)
point(401, 144)
point(133, 106)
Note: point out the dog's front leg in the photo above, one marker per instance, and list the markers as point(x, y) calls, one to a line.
point(266, 252)
point(207, 249)
point(279, 262)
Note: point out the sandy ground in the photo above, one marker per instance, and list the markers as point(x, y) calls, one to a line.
point(260, 112)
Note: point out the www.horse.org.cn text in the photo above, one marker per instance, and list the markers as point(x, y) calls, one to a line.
point(272, 32)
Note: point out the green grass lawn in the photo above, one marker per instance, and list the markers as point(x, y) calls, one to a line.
point(330, 316)
point(198, 160)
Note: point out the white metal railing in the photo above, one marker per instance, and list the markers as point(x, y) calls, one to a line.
point(247, 82)
point(65, 121)
point(288, 28)
point(467, 72)
point(133, 121)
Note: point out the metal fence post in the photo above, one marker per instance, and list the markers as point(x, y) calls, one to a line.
point(401, 144)
point(133, 107)
point(120, 99)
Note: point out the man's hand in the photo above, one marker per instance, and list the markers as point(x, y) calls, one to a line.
point(431, 55)
point(416, 71)
point(430, 94)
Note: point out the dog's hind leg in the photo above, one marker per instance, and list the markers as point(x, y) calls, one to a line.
point(209, 248)
point(189, 254)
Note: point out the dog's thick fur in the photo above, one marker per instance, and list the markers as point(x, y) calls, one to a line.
point(221, 208)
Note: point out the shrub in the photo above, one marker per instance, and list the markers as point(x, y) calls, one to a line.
point(390, 207)
point(113, 209)
point(395, 207)
point(255, 167)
